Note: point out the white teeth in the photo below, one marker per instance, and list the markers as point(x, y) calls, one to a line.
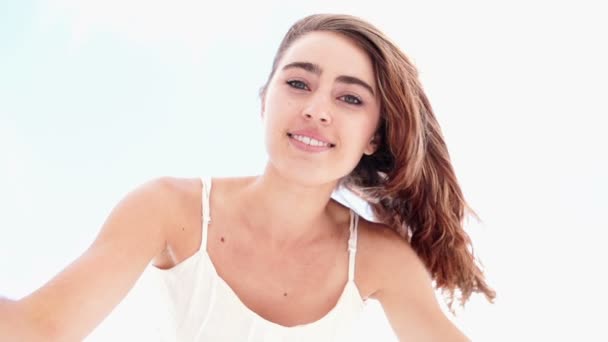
point(310, 141)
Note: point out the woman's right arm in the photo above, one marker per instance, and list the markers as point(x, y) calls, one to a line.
point(74, 302)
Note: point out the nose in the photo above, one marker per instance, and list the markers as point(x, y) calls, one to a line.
point(319, 109)
point(325, 119)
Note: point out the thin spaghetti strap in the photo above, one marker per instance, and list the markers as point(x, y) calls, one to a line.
point(352, 244)
point(206, 215)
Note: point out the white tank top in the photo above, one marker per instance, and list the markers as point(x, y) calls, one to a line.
point(203, 307)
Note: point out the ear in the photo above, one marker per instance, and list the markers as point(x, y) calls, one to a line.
point(372, 145)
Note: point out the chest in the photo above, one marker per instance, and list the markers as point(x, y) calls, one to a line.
point(288, 288)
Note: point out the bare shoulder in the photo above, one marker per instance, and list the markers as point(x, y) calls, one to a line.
point(381, 235)
point(157, 209)
point(183, 198)
point(179, 206)
point(403, 286)
point(164, 197)
point(179, 193)
point(153, 205)
point(177, 187)
point(385, 254)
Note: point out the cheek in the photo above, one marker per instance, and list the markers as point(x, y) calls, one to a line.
point(278, 101)
point(365, 129)
point(277, 117)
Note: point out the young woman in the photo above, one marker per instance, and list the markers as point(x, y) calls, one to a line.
point(274, 257)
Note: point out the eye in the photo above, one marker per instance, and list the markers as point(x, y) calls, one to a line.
point(351, 99)
point(297, 84)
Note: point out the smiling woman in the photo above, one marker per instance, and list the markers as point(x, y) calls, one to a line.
point(313, 94)
point(274, 256)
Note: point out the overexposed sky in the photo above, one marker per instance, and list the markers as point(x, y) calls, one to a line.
point(97, 97)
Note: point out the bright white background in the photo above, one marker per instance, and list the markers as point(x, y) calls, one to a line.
point(97, 97)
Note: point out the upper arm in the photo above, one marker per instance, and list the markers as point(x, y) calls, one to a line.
point(75, 301)
point(407, 295)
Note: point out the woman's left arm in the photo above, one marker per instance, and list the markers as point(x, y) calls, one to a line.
point(408, 298)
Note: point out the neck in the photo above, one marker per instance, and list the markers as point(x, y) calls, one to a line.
point(283, 212)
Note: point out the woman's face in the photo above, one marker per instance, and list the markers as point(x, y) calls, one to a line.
point(320, 109)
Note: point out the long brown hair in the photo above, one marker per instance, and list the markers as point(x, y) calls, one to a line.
point(409, 181)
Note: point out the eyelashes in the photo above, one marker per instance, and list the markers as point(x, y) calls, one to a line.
point(349, 99)
point(298, 84)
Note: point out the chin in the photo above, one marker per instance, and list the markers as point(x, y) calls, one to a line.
point(302, 169)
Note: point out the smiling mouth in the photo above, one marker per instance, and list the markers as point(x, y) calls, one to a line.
point(310, 141)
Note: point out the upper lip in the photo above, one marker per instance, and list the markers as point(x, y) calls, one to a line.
point(311, 133)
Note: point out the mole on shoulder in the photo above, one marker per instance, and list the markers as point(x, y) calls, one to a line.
point(285, 294)
point(222, 239)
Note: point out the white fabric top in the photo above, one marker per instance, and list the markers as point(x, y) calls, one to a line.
point(202, 306)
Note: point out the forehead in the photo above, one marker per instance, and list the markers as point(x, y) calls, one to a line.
point(333, 52)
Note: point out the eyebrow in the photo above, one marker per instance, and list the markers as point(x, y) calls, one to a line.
point(316, 69)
